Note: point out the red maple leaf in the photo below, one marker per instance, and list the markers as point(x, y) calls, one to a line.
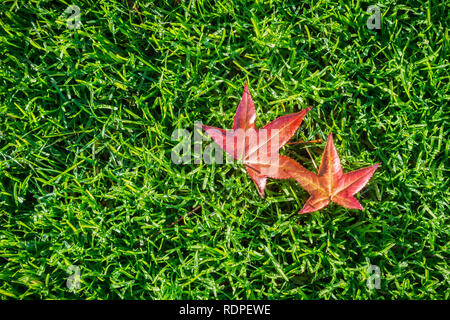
point(331, 183)
point(258, 148)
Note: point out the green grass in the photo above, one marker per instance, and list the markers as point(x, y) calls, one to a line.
point(86, 177)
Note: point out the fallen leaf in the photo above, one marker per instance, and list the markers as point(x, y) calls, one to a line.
point(258, 148)
point(331, 183)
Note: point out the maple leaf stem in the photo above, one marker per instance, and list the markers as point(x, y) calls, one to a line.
point(312, 141)
point(314, 163)
point(179, 219)
point(135, 8)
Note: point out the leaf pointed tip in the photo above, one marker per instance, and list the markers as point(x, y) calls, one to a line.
point(374, 167)
point(357, 206)
point(304, 111)
point(303, 211)
point(307, 208)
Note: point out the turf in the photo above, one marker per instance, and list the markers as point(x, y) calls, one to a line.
point(87, 183)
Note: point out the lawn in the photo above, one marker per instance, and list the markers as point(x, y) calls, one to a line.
point(92, 206)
